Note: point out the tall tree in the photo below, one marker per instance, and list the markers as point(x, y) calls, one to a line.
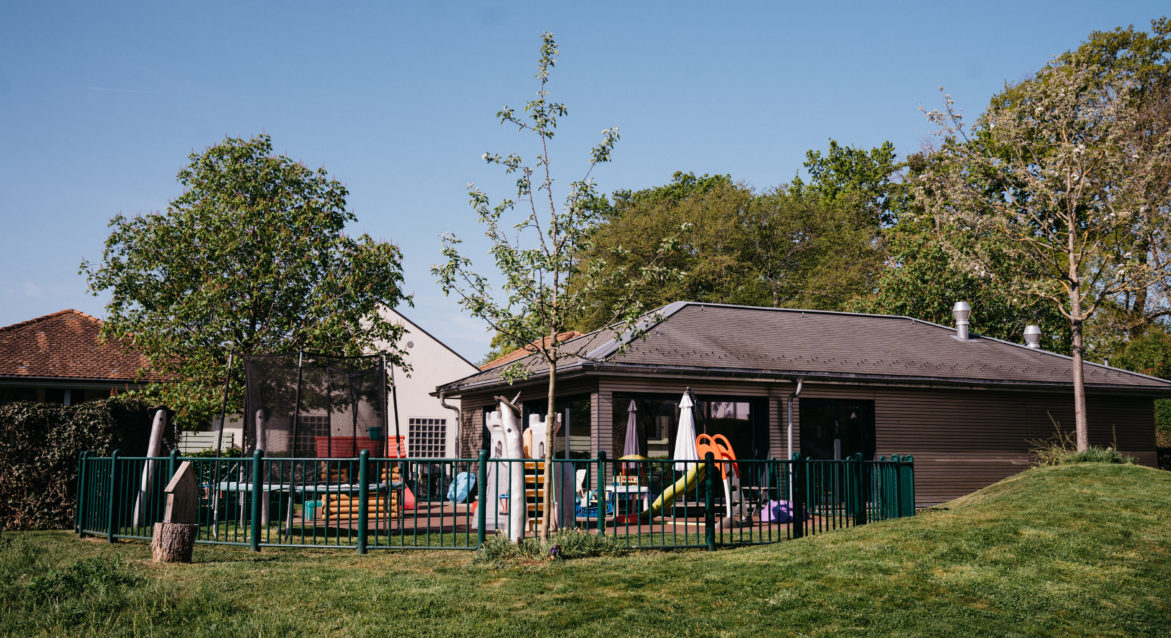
point(923, 280)
point(702, 212)
point(252, 257)
point(537, 256)
point(1065, 175)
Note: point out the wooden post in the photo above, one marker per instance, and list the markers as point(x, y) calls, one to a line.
point(174, 538)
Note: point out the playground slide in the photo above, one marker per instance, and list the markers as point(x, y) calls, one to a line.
point(667, 498)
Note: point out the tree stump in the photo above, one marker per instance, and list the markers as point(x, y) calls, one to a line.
point(173, 542)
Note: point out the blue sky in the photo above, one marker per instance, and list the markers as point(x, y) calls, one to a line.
point(101, 103)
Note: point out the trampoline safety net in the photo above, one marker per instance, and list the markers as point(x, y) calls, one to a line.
point(316, 406)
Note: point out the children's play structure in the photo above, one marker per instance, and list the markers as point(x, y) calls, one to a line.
point(514, 488)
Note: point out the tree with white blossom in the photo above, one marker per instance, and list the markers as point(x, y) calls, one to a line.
point(539, 254)
point(1066, 172)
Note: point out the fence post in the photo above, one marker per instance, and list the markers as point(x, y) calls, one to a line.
point(896, 504)
point(909, 496)
point(601, 493)
point(257, 486)
point(481, 495)
point(363, 500)
point(172, 464)
point(112, 523)
point(797, 481)
point(860, 494)
point(79, 513)
point(709, 513)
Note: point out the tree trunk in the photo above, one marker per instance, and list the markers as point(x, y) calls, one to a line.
point(1075, 328)
point(173, 542)
point(547, 524)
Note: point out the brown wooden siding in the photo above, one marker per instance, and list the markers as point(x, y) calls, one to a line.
point(472, 406)
point(963, 440)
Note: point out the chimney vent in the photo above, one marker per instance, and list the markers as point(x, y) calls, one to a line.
point(1033, 336)
point(962, 311)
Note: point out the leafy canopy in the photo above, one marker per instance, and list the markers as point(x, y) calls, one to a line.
point(252, 257)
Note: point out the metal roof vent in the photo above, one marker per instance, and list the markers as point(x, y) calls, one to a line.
point(961, 311)
point(1033, 336)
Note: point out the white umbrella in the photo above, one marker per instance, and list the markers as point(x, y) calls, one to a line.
point(630, 447)
point(685, 436)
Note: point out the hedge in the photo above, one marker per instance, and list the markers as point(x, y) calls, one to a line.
point(40, 444)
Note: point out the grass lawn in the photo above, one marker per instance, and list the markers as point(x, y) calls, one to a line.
point(1069, 550)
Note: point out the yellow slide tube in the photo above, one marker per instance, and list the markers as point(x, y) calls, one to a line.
point(682, 486)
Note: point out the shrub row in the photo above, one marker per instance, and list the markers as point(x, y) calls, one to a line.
point(40, 444)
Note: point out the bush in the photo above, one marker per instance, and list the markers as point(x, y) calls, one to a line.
point(1163, 416)
point(1097, 455)
point(562, 545)
point(40, 444)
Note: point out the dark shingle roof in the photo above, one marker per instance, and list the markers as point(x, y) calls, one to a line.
point(66, 345)
point(773, 342)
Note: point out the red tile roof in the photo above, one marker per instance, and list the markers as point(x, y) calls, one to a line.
point(532, 348)
point(67, 345)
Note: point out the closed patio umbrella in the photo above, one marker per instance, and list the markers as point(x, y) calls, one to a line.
point(685, 436)
point(630, 447)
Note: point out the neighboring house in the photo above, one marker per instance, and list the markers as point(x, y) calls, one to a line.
point(429, 428)
point(60, 358)
point(966, 410)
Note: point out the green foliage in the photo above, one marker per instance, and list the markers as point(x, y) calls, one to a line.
point(40, 444)
point(1149, 353)
point(924, 282)
point(562, 545)
point(865, 179)
point(1163, 415)
point(1094, 454)
point(252, 257)
point(1061, 449)
point(809, 245)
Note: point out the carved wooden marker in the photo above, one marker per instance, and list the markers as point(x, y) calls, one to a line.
point(175, 537)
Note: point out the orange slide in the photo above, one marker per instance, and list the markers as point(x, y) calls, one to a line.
point(725, 458)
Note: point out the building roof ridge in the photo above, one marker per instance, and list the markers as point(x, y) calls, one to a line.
point(52, 315)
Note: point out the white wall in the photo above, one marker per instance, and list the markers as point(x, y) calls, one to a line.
point(433, 364)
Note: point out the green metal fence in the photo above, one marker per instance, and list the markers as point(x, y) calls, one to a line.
point(422, 503)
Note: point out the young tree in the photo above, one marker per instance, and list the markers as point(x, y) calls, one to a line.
point(1064, 176)
point(538, 256)
point(251, 258)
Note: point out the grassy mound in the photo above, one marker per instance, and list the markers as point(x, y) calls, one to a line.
point(1079, 549)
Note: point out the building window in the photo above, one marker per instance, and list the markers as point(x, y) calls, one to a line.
point(428, 437)
point(308, 429)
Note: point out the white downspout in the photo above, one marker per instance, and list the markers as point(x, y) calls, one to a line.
point(796, 393)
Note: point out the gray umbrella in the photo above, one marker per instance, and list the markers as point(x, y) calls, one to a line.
point(631, 445)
